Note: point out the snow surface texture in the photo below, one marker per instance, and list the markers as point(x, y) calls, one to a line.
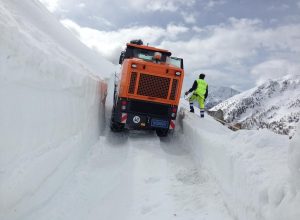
point(252, 168)
point(49, 108)
point(135, 176)
point(217, 95)
point(204, 171)
point(274, 105)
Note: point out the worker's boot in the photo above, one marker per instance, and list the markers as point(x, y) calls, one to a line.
point(192, 107)
point(202, 113)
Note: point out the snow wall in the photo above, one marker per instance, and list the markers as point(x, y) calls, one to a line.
point(50, 109)
point(257, 172)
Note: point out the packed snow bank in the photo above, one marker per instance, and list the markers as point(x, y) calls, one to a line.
point(50, 104)
point(251, 168)
point(294, 159)
point(289, 207)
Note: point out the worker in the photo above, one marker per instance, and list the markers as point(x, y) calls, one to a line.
point(200, 88)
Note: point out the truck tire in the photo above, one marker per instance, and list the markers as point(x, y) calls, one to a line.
point(116, 126)
point(162, 132)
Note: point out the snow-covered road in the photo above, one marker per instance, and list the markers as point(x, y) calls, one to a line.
point(135, 175)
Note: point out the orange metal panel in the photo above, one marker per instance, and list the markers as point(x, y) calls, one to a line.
point(151, 69)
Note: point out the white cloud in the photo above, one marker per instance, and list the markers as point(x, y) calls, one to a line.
point(160, 5)
point(198, 29)
point(233, 48)
point(285, 37)
point(110, 43)
point(51, 5)
point(280, 7)
point(102, 21)
point(213, 3)
point(273, 69)
point(223, 45)
point(174, 30)
point(189, 17)
point(81, 5)
point(130, 5)
point(225, 48)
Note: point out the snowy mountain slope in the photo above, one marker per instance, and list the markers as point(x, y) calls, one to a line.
point(217, 95)
point(49, 104)
point(274, 105)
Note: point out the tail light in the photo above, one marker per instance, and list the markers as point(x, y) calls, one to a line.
point(174, 111)
point(123, 105)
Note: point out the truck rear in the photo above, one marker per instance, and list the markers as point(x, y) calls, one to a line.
point(147, 94)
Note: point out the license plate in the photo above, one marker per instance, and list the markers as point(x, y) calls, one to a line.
point(158, 123)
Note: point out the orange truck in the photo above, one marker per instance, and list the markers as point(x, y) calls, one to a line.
point(147, 92)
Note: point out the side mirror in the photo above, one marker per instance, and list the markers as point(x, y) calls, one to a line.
point(122, 56)
point(181, 63)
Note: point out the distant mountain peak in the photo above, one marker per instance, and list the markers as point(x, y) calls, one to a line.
point(217, 94)
point(274, 105)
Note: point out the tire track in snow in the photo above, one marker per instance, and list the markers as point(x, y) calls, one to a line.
point(135, 175)
point(174, 186)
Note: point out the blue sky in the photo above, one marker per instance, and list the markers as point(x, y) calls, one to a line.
point(237, 43)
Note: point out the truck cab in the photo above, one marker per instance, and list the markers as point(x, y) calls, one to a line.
point(147, 94)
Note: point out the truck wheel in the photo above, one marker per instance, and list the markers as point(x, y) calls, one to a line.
point(116, 126)
point(162, 132)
